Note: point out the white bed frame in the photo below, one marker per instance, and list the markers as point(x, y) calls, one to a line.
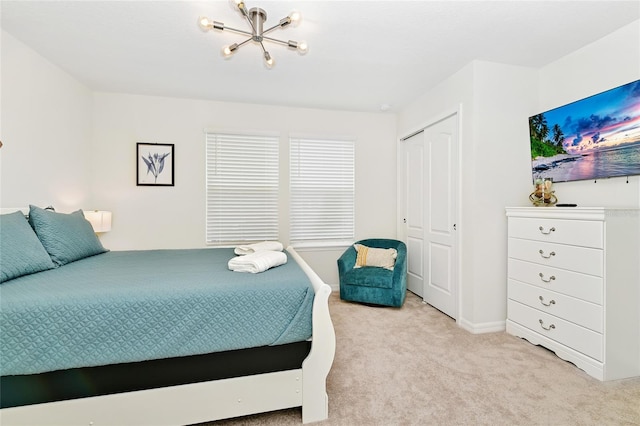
point(208, 401)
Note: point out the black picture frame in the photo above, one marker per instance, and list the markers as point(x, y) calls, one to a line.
point(155, 164)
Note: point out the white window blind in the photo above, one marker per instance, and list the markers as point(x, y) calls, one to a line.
point(242, 188)
point(322, 184)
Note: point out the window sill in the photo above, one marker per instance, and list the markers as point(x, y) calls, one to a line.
point(320, 246)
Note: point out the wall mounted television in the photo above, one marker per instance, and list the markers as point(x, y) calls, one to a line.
point(593, 138)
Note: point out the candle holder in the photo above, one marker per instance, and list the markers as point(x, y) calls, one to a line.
point(542, 194)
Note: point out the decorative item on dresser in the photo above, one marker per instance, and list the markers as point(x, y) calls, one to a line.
point(574, 285)
point(542, 194)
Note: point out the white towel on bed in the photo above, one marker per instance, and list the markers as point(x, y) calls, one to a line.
point(257, 262)
point(256, 247)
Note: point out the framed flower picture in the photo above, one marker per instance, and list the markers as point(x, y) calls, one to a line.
point(154, 164)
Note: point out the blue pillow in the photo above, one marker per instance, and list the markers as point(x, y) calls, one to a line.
point(66, 237)
point(21, 253)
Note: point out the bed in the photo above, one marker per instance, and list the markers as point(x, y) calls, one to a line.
point(161, 337)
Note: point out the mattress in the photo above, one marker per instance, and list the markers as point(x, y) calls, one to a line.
point(85, 382)
point(130, 306)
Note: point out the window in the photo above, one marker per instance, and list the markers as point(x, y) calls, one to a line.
point(322, 191)
point(242, 188)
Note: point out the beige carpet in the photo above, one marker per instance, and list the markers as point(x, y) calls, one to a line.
point(414, 366)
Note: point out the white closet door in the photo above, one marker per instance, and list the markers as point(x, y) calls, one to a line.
point(414, 211)
point(429, 193)
point(440, 212)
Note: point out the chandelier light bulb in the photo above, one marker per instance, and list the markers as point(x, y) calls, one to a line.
point(239, 4)
point(295, 17)
point(205, 23)
point(303, 47)
point(227, 51)
point(268, 60)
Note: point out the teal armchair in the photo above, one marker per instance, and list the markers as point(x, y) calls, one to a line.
point(377, 286)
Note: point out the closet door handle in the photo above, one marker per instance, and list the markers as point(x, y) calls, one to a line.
point(551, 302)
point(551, 327)
point(551, 278)
point(548, 232)
point(553, 253)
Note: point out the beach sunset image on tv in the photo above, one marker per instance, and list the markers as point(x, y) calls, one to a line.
point(593, 138)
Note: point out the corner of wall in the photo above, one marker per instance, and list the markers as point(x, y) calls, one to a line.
point(481, 328)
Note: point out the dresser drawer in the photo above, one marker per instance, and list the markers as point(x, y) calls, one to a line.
point(585, 314)
point(579, 259)
point(575, 232)
point(567, 333)
point(581, 286)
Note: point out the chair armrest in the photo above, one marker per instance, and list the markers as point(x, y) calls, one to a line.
point(347, 261)
point(400, 271)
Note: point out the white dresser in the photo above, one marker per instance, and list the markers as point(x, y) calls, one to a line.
point(574, 285)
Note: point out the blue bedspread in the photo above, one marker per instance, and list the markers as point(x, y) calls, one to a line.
point(139, 305)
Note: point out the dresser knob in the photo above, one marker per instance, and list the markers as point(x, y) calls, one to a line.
point(551, 302)
point(551, 327)
point(551, 278)
point(553, 253)
point(547, 232)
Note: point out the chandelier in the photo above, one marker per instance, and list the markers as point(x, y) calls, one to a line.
point(256, 18)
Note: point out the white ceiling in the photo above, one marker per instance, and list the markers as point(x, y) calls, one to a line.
point(363, 54)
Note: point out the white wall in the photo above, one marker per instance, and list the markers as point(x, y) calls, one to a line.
point(174, 217)
point(45, 128)
point(607, 63)
point(503, 97)
point(495, 101)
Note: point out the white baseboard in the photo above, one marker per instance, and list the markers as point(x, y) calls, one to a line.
point(486, 327)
